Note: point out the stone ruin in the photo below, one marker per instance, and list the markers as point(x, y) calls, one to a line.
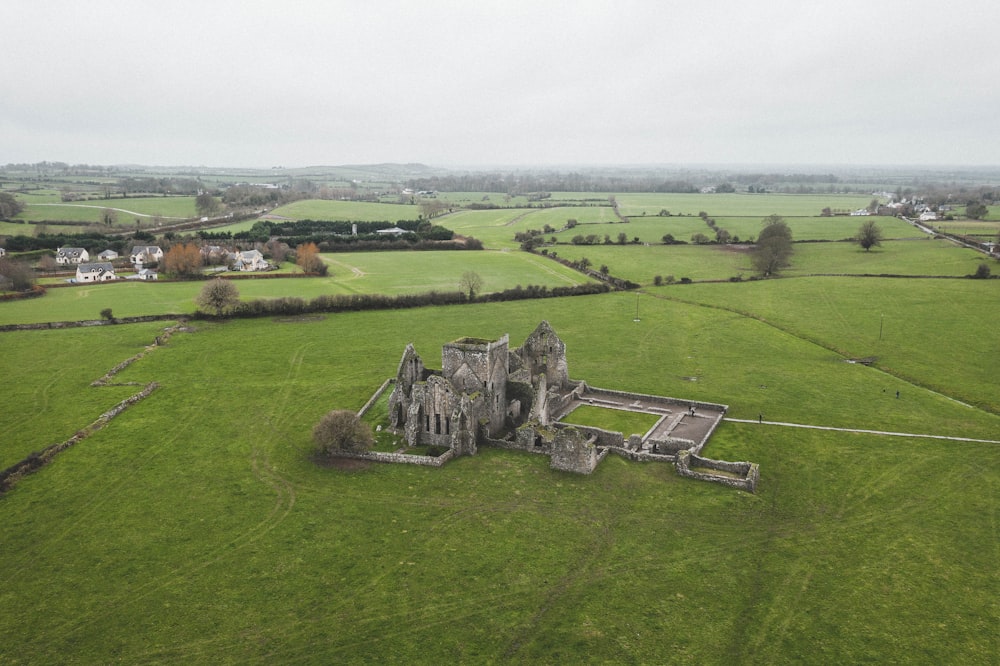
point(487, 394)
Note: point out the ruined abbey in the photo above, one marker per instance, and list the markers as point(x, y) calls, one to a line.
point(488, 394)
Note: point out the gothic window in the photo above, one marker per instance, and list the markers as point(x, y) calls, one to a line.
point(437, 424)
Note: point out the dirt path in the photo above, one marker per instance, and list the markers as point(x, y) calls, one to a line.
point(864, 431)
point(120, 210)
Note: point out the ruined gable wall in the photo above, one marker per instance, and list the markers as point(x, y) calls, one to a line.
point(544, 352)
point(480, 366)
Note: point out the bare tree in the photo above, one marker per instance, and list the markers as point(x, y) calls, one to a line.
point(206, 204)
point(218, 295)
point(470, 282)
point(20, 274)
point(342, 431)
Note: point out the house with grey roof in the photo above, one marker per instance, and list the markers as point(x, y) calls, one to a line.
point(142, 255)
point(71, 256)
point(96, 272)
point(250, 260)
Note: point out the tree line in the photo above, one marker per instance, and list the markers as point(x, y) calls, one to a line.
point(221, 295)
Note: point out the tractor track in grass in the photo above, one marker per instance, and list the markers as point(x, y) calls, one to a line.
point(263, 470)
point(818, 343)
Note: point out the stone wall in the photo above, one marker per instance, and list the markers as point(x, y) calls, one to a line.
point(574, 450)
point(671, 445)
point(399, 458)
point(603, 438)
point(378, 394)
point(745, 474)
point(42, 326)
point(710, 406)
point(39, 459)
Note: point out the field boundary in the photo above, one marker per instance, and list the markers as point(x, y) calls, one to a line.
point(39, 459)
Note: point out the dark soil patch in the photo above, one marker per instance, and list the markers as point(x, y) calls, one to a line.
point(343, 464)
point(304, 319)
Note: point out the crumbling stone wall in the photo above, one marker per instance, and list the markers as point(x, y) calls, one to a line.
point(473, 365)
point(742, 475)
point(544, 353)
point(574, 451)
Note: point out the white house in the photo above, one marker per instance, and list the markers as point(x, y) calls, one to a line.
point(250, 260)
point(144, 274)
point(99, 272)
point(928, 216)
point(145, 254)
point(108, 255)
point(67, 256)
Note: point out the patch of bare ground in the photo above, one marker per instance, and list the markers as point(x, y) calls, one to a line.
point(343, 464)
point(304, 319)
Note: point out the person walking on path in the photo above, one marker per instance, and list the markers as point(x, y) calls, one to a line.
point(760, 418)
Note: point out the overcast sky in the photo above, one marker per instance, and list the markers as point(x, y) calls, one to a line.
point(479, 83)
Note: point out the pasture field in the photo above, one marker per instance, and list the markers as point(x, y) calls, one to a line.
point(733, 205)
point(193, 530)
point(390, 273)
point(128, 210)
point(641, 264)
point(355, 211)
point(937, 333)
point(497, 229)
point(986, 228)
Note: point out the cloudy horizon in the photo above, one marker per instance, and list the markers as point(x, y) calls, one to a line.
point(450, 84)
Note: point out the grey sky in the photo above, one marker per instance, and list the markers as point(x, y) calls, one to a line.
point(306, 82)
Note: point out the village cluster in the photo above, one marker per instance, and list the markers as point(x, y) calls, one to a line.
point(144, 258)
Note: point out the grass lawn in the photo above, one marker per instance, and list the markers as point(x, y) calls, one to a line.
point(937, 333)
point(356, 211)
point(714, 262)
point(351, 272)
point(127, 210)
point(197, 527)
point(729, 205)
point(615, 420)
point(190, 531)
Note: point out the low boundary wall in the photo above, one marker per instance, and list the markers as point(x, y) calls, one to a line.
point(742, 475)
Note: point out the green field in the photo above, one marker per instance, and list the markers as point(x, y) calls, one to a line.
point(190, 530)
point(729, 205)
point(350, 273)
point(642, 264)
point(615, 420)
point(128, 210)
point(355, 211)
point(197, 527)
